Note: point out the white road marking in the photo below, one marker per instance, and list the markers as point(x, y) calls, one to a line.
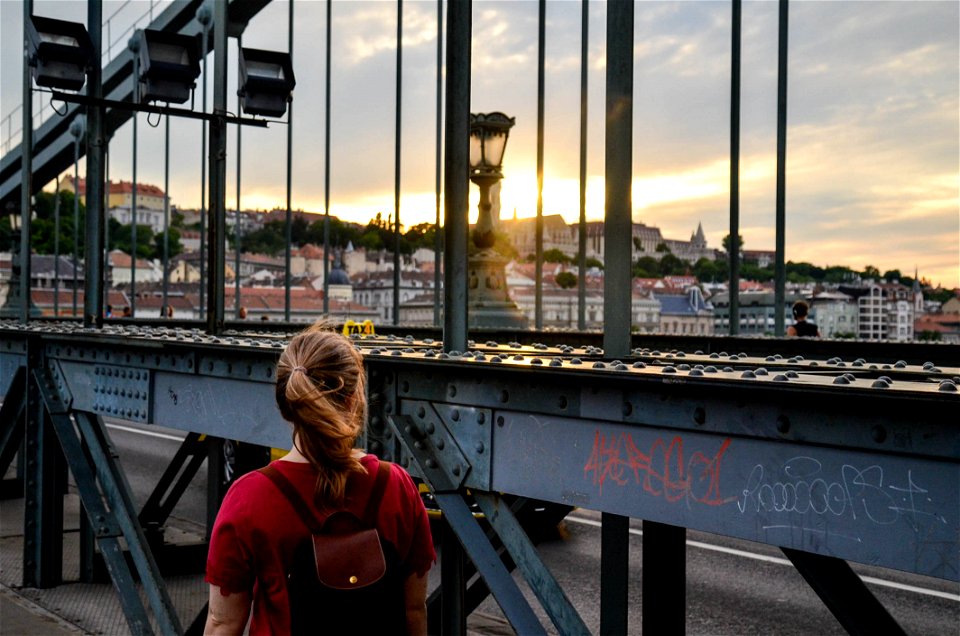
point(780, 561)
point(140, 431)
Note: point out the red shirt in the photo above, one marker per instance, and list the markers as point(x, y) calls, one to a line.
point(257, 532)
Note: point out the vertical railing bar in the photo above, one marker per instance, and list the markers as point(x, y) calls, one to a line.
point(107, 272)
point(133, 187)
point(456, 153)
point(218, 173)
point(237, 229)
point(436, 228)
point(26, 174)
point(779, 268)
point(326, 171)
point(619, 166)
point(76, 216)
point(166, 220)
point(289, 220)
point(541, 81)
point(398, 127)
point(582, 235)
point(204, 42)
point(56, 250)
point(734, 241)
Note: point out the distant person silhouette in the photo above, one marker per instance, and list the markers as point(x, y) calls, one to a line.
point(801, 327)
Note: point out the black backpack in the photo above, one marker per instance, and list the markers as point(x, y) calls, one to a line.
point(344, 577)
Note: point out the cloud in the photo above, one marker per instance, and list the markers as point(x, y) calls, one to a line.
point(872, 147)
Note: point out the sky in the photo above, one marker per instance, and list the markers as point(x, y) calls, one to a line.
point(873, 140)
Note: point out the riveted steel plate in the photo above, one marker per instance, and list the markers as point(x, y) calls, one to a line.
point(470, 428)
point(121, 392)
point(232, 409)
point(425, 429)
point(492, 387)
point(879, 509)
point(250, 368)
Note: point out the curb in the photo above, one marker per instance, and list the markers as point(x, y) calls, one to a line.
point(20, 615)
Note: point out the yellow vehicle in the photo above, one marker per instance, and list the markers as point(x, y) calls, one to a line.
point(364, 328)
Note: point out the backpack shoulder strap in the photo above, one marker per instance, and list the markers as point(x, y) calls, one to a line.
point(376, 495)
point(299, 505)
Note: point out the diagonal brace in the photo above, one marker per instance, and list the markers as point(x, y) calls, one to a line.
point(173, 483)
point(473, 539)
point(106, 497)
point(511, 600)
point(844, 593)
point(561, 611)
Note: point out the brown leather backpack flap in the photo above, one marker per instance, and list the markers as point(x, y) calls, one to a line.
point(350, 560)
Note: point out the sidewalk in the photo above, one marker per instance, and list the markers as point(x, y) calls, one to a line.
point(21, 617)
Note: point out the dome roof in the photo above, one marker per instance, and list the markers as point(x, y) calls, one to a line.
point(339, 277)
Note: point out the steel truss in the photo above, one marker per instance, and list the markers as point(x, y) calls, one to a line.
point(680, 440)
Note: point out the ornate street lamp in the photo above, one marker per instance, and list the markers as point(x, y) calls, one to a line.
point(489, 303)
point(488, 140)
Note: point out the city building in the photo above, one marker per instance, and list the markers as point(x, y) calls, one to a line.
point(757, 315)
point(118, 265)
point(375, 290)
point(150, 201)
point(886, 311)
point(685, 312)
point(837, 314)
point(557, 234)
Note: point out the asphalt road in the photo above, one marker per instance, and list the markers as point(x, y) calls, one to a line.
point(733, 586)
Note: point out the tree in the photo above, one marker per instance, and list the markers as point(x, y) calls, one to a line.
point(662, 248)
point(870, 272)
point(646, 267)
point(566, 280)
point(593, 262)
point(838, 274)
point(671, 265)
point(421, 235)
point(43, 227)
point(266, 240)
point(938, 294)
point(174, 246)
point(749, 271)
point(555, 256)
point(707, 271)
point(726, 242)
point(120, 239)
point(892, 275)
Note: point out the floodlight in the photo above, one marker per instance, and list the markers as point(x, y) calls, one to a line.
point(169, 66)
point(266, 82)
point(59, 53)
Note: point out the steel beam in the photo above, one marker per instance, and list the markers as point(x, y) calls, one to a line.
point(664, 578)
point(845, 594)
point(558, 607)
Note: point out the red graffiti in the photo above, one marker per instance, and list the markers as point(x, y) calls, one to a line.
point(662, 470)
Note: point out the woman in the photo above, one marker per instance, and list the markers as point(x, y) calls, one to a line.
point(321, 391)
